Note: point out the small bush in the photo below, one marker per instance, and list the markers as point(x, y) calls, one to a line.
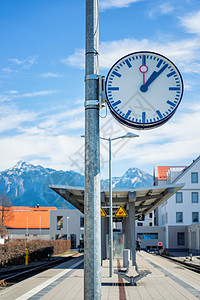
point(13, 252)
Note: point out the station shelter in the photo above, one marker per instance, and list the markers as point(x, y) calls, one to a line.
point(133, 202)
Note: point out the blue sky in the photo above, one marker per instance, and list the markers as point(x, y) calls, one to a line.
point(42, 81)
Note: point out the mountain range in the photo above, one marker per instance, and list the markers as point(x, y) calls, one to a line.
point(28, 185)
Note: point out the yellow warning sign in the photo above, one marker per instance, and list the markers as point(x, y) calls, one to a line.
point(121, 212)
point(103, 213)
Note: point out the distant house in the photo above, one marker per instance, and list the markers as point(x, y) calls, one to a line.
point(67, 224)
point(183, 208)
point(24, 222)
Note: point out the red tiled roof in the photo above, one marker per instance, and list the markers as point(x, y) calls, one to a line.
point(162, 171)
point(27, 217)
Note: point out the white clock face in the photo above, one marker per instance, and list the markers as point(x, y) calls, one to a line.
point(143, 90)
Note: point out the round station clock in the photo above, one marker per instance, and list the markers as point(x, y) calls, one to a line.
point(143, 90)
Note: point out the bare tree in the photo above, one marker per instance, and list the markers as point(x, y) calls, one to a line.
point(6, 213)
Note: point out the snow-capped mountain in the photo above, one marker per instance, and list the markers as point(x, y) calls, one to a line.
point(28, 185)
point(133, 178)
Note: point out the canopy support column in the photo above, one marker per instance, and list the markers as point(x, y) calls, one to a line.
point(132, 199)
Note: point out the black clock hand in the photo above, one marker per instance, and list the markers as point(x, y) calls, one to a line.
point(152, 77)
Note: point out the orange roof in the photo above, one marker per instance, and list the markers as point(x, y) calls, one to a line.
point(162, 171)
point(28, 217)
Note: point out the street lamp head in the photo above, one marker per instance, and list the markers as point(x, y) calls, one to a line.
point(130, 135)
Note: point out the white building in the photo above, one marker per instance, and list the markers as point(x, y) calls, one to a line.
point(183, 208)
point(148, 220)
point(67, 224)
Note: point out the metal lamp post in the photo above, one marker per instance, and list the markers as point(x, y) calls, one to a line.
point(92, 199)
point(128, 135)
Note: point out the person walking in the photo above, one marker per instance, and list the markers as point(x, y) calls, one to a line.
point(138, 244)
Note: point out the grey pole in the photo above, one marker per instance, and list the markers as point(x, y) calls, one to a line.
point(92, 251)
point(110, 212)
point(132, 230)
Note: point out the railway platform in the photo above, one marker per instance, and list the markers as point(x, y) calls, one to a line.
point(167, 280)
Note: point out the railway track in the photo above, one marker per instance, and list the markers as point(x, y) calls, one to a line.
point(13, 276)
point(191, 266)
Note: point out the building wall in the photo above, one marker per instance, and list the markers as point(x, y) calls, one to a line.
point(168, 212)
point(148, 221)
point(194, 239)
point(186, 207)
point(177, 238)
point(170, 209)
point(29, 234)
point(148, 233)
point(71, 226)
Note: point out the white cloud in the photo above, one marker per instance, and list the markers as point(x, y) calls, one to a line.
point(47, 150)
point(13, 92)
point(166, 8)
point(106, 4)
point(76, 59)
point(66, 121)
point(25, 63)
point(53, 121)
point(38, 93)
point(12, 118)
point(15, 95)
point(185, 52)
point(173, 143)
point(51, 143)
point(44, 136)
point(162, 9)
point(4, 98)
point(50, 75)
point(8, 70)
point(192, 22)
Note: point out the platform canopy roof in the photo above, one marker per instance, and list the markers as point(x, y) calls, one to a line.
point(146, 199)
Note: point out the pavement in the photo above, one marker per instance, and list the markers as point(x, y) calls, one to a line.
point(167, 281)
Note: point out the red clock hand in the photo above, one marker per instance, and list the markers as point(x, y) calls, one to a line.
point(143, 68)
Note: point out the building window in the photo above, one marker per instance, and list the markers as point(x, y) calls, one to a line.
point(150, 224)
point(150, 215)
point(195, 197)
point(59, 222)
point(179, 197)
point(194, 177)
point(179, 217)
point(181, 238)
point(139, 224)
point(195, 217)
point(82, 222)
point(148, 236)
